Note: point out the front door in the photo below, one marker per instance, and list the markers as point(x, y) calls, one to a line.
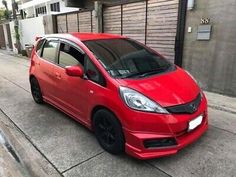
point(71, 92)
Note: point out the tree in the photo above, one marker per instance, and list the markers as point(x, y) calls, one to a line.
point(4, 2)
point(7, 13)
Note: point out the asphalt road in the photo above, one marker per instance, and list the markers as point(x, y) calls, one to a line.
point(68, 149)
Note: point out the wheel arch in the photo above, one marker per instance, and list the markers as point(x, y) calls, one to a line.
point(31, 76)
point(99, 107)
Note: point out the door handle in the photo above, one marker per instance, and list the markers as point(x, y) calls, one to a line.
point(58, 76)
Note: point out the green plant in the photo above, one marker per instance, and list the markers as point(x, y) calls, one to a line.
point(2, 13)
point(17, 33)
point(7, 14)
point(17, 36)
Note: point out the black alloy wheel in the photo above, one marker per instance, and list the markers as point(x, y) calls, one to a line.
point(108, 131)
point(36, 91)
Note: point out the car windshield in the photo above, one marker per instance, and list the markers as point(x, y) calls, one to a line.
point(125, 58)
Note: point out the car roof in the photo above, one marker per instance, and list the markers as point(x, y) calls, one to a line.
point(86, 36)
point(95, 36)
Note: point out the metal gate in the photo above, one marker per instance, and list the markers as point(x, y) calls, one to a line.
point(9, 36)
point(152, 22)
point(75, 22)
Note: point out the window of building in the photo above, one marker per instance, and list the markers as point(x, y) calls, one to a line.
point(50, 51)
point(55, 7)
point(41, 10)
point(70, 56)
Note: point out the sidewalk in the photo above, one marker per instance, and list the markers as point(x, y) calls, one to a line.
point(8, 52)
point(221, 102)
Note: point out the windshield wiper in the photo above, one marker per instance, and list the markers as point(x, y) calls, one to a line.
point(147, 73)
point(132, 75)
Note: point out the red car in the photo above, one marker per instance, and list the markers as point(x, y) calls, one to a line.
point(128, 94)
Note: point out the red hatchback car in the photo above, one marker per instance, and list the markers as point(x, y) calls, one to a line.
point(128, 94)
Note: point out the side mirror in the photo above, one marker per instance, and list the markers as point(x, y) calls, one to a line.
point(74, 71)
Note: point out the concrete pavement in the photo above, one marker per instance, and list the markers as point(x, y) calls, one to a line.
point(18, 156)
point(59, 146)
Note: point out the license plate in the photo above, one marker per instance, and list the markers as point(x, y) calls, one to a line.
point(195, 123)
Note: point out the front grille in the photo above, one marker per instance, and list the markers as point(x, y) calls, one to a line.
point(188, 108)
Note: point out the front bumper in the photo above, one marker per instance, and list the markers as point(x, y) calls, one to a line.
point(140, 152)
point(173, 126)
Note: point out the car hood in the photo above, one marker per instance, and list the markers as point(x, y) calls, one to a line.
point(167, 89)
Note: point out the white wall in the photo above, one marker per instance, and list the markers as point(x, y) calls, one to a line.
point(29, 29)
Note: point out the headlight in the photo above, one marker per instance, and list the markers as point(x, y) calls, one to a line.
point(137, 101)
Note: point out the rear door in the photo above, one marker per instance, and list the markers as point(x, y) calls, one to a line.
point(45, 66)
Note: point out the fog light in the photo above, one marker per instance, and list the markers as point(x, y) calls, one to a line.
point(162, 142)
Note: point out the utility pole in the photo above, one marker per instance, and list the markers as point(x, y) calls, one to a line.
point(98, 16)
point(14, 9)
point(16, 27)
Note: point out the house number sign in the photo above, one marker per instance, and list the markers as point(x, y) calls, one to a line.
point(205, 21)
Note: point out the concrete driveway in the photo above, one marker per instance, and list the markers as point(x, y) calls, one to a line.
point(68, 149)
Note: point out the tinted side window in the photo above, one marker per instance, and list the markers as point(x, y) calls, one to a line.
point(39, 47)
point(70, 56)
point(50, 51)
point(93, 73)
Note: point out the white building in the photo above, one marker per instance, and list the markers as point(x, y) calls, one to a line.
point(35, 8)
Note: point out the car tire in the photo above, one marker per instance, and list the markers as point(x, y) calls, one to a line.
point(36, 91)
point(108, 131)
